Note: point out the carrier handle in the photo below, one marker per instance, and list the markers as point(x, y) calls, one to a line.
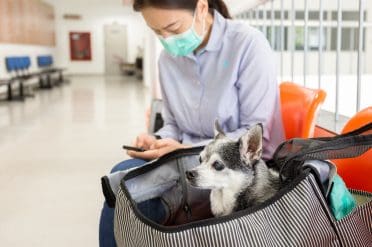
point(179, 153)
point(348, 140)
point(363, 142)
point(356, 132)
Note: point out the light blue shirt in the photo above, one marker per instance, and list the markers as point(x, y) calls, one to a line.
point(233, 79)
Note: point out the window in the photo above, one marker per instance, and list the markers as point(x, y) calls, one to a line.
point(349, 15)
point(349, 34)
point(349, 39)
point(313, 15)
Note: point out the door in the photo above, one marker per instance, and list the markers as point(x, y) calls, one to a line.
point(115, 48)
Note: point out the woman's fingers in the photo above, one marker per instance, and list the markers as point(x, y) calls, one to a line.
point(153, 153)
point(144, 141)
point(155, 148)
point(161, 143)
point(147, 155)
point(148, 141)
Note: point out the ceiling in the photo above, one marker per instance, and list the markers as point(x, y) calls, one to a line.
point(234, 5)
point(230, 3)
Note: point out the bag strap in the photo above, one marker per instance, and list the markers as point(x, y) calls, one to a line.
point(364, 129)
point(179, 153)
point(349, 145)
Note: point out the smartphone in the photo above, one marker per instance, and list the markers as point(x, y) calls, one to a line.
point(133, 148)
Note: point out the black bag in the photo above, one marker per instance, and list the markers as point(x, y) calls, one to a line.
point(298, 215)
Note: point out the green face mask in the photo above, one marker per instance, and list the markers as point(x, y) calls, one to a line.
point(183, 44)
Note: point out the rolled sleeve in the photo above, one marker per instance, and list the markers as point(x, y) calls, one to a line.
point(170, 128)
point(258, 93)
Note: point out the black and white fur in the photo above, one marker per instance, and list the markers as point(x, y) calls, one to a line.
point(235, 173)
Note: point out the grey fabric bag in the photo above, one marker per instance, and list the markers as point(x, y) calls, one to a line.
point(298, 215)
point(167, 182)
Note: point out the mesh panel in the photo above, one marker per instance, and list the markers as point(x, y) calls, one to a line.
point(290, 155)
point(348, 152)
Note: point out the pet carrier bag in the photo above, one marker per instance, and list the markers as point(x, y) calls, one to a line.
point(298, 215)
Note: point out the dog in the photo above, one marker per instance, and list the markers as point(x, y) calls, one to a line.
point(234, 172)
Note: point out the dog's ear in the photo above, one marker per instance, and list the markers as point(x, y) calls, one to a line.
point(218, 132)
point(250, 144)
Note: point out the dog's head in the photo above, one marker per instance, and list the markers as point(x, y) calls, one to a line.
point(224, 161)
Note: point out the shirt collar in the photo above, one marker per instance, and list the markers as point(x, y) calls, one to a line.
point(218, 29)
point(216, 36)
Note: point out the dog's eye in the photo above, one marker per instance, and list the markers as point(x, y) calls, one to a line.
point(218, 166)
point(200, 160)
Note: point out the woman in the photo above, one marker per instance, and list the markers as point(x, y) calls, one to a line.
point(212, 68)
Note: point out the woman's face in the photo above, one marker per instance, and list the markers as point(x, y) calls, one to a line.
point(168, 22)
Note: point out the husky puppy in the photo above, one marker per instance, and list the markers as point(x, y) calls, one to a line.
point(234, 172)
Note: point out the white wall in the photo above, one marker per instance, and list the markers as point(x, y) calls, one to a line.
point(94, 17)
point(328, 5)
point(348, 64)
point(33, 51)
point(152, 51)
point(238, 6)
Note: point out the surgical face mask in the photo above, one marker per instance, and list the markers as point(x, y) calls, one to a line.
point(185, 43)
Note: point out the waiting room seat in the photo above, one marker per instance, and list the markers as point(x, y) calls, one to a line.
point(357, 172)
point(45, 64)
point(300, 108)
point(18, 67)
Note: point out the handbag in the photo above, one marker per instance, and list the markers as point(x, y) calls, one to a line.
point(298, 215)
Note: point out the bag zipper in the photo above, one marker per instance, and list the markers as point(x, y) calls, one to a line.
point(184, 203)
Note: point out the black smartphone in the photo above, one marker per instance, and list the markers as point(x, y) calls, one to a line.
point(133, 148)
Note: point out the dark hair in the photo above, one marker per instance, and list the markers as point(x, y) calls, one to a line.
point(218, 5)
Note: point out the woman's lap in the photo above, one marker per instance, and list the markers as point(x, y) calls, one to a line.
point(127, 164)
point(106, 225)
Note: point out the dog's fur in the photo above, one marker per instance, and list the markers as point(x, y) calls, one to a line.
point(235, 173)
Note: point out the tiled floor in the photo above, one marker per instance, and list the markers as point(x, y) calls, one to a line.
point(54, 149)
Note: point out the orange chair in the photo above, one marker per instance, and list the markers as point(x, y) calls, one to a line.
point(300, 107)
point(357, 172)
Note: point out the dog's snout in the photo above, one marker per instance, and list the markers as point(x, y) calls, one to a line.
point(191, 175)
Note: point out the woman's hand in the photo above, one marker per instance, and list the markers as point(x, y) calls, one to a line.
point(158, 149)
point(144, 141)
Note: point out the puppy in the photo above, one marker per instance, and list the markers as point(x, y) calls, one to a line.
point(234, 172)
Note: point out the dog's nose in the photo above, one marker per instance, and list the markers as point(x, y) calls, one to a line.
point(190, 175)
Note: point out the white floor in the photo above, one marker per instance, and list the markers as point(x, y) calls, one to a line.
point(54, 149)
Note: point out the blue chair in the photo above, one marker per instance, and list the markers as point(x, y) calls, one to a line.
point(18, 67)
point(45, 63)
point(10, 64)
point(45, 80)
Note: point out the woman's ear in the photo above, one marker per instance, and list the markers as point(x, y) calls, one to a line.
point(202, 9)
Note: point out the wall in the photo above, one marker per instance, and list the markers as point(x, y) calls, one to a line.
point(348, 60)
point(22, 50)
point(94, 17)
point(347, 65)
point(26, 29)
point(238, 6)
point(152, 51)
point(26, 22)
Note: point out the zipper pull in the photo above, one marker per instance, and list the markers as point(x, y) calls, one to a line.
point(187, 209)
